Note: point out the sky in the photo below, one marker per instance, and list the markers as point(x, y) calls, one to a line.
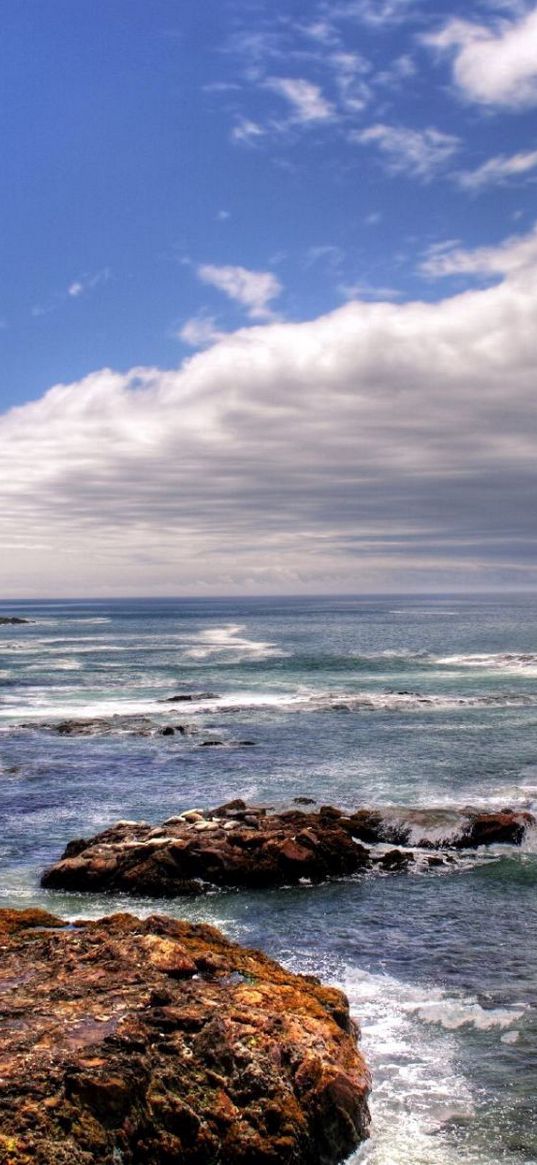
point(268, 314)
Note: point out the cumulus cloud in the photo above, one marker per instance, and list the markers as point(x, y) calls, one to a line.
point(499, 170)
point(493, 65)
point(421, 153)
point(382, 446)
point(254, 290)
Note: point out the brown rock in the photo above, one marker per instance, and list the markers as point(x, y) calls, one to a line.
point(186, 854)
point(160, 1042)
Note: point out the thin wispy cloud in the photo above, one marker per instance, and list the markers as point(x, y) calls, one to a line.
point(378, 14)
point(498, 171)
point(513, 255)
point(246, 131)
point(87, 283)
point(199, 331)
point(253, 290)
point(307, 102)
point(418, 153)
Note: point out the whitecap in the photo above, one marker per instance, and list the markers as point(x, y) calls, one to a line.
point(216, 640)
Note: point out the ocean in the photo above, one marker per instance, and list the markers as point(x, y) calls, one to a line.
point(407, 702)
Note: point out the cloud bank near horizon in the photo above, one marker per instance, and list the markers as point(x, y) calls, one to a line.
point(384, 446)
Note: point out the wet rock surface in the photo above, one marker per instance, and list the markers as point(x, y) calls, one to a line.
point(240, 845)
point(432, 828)
point(132, 725)
point(234, 845)
point(12, 620)
point(157, 1042)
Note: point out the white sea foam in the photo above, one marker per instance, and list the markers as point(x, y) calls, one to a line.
point(512, 662)
point(301, 700)
point(409, 1037)
point(218, 640)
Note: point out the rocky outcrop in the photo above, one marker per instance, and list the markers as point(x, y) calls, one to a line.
point(130, 725)
point(157, 1042)
point(434, 828)
point(12, 620)
point(234, 845)
point(240, 845)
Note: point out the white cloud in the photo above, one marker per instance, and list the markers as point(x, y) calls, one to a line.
point(493, 65)
point(199, 331)
point(254, 290)
point(499, 170)
point(246, 131)
point(420, 153)
point(382, 446)
point(87, 283)
point(514, 255)
point(377, 13)
point(306, 99)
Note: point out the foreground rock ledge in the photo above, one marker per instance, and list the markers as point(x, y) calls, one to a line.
point(239, 845)
point(156, 1042)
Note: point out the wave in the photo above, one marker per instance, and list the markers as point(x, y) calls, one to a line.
point(237, 703)
point(217, 640)
point(510, 661)
point(409, 1036)
point(372, 702)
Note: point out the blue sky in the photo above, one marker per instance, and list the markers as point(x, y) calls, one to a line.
point(212, 181)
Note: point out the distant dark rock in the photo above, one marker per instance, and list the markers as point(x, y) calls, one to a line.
point(110, 725)
point(189, 698)
point(12, 621)
point(160, 1042)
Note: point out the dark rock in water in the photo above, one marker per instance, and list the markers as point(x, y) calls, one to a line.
point(160, 1042)
point(505, 828)
point(235, 845)
point(212, 744)
point(304, 800)
point(189, 698)
point(370, 826)
point(130, 725)
point(437, 828)
point(12, 620)
point(396, 859)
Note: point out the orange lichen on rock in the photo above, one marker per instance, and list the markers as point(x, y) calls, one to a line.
point(129, 1041)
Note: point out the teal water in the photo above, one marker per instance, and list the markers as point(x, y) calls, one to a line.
point(406, 702)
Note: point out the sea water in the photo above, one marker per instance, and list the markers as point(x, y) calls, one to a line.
point(359, 702)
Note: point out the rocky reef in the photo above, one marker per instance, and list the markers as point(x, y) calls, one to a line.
point(157, 1042)
point(240, 845)
point(12, 620)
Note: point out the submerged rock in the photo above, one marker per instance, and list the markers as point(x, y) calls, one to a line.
point(129, 725)
point(160, 1042)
